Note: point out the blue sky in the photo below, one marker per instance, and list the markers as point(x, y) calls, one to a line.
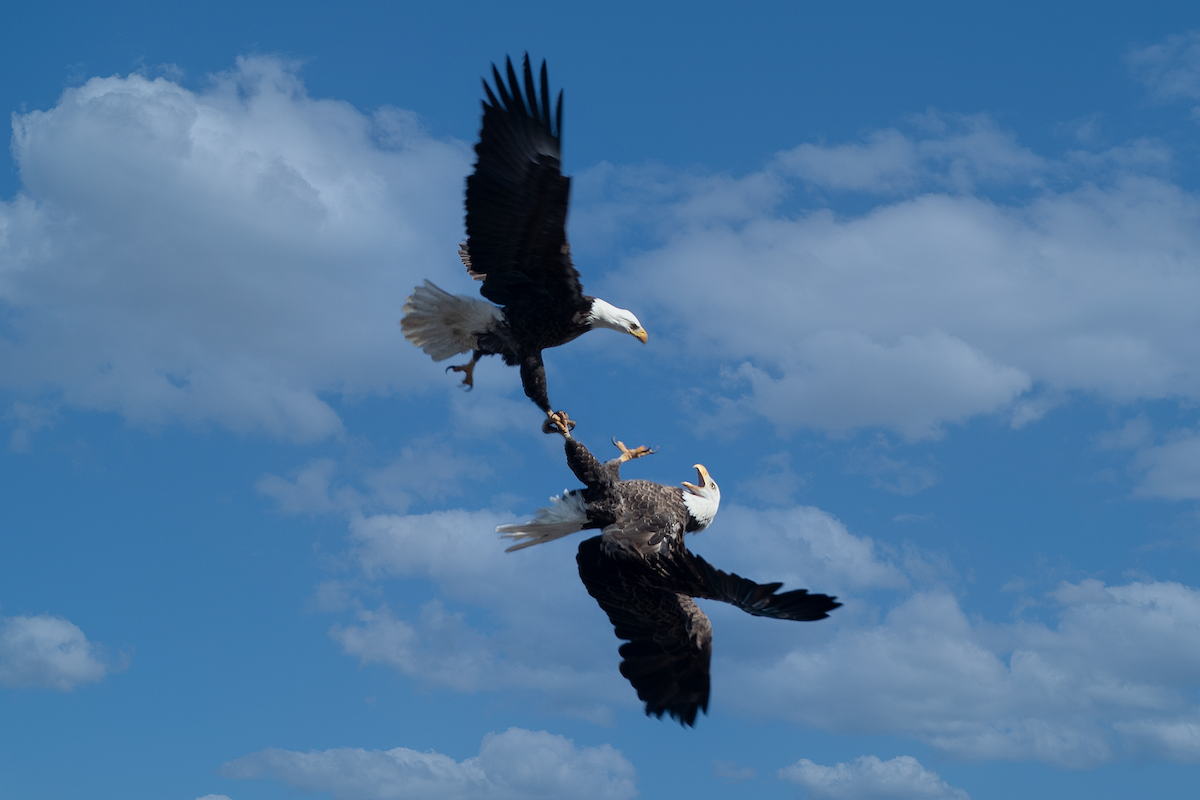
point(920, 285)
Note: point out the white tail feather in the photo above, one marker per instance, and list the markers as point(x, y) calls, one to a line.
point(444, 324)
point(566, 514)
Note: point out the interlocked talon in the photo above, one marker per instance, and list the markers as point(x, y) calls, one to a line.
point(629, 455)
point(468, 368)
point(558, 421)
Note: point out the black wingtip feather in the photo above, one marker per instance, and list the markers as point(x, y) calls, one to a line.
point(506, 101)
point(531, 91)
point(514, 88)
point(760, 600)
point(545, 97)
point(491, 101)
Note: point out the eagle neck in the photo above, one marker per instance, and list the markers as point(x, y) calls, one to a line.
point(603, 314)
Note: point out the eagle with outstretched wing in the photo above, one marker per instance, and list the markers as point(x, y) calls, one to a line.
point(644, 577)
point(517, 247)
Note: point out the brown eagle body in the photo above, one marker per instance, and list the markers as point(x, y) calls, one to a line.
point(644, 577)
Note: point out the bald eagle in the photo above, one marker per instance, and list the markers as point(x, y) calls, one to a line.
point(517, 246)
point(643, 576)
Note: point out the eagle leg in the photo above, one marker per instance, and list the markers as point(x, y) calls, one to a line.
point(558, 422)
point(469, 368)
point(629, 455)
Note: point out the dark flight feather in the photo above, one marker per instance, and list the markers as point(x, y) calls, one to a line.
point(644, 577)
point(516, 220)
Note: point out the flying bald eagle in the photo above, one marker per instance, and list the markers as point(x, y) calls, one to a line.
point(517, 246)
point(644, 577)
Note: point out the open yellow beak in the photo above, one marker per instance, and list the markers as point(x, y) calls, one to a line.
point(701, 475)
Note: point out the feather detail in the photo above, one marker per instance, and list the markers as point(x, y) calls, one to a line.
point(444, 324)
point(566, 514)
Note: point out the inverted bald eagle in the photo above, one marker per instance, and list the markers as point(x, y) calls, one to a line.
point(517, 246)
point(644, 577)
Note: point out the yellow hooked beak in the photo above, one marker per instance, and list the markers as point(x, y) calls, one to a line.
point(641, 335)
point(701, 475)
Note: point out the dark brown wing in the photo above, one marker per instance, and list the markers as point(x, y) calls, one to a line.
point(692, 575)
point(670, 640)
point(517, 200)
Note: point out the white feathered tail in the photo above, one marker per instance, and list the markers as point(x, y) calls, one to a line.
point(444, 324)
point(566, 514)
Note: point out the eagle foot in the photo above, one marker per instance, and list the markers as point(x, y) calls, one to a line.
point(558, 422)
point(630, 455)
point(469, 368)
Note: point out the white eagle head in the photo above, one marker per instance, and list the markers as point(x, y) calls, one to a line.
point(606, 315)
point(702, 500)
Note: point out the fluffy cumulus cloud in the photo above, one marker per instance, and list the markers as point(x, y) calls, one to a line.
point(48, 652)
point(1114, 677)
point(514, 765)
point(983, 280)
point(239, 253)
point(1110, 673)
point(489, 628)
point(953, 151)
point(799, 545)
point(870, 778)
point(230, 255)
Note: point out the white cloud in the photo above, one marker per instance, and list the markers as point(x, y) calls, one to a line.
point(887, 161)
point(48, 652)
point(953, 151)
point(515, 765)
point(802, 546)
point(1114, 678)
point(438, 647)
point(427, 469)
point(1170, 469)
point(869, 778)
point(1110, 676)
point(837, 378)
point(228, 255)
point(307, 492)
point(942, 305)
point(491, 628)
point(239, 254)
point(1166, 466)
point(1171, 68)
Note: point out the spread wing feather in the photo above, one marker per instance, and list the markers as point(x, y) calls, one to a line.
point(517, 200)
point(691, 574)
point(670, 640)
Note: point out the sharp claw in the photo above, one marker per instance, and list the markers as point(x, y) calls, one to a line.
point(558, 422)
point(629, 455)
point(469, 368)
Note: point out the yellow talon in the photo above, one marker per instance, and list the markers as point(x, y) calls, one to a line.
point(629, 455)
point(558, 420)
